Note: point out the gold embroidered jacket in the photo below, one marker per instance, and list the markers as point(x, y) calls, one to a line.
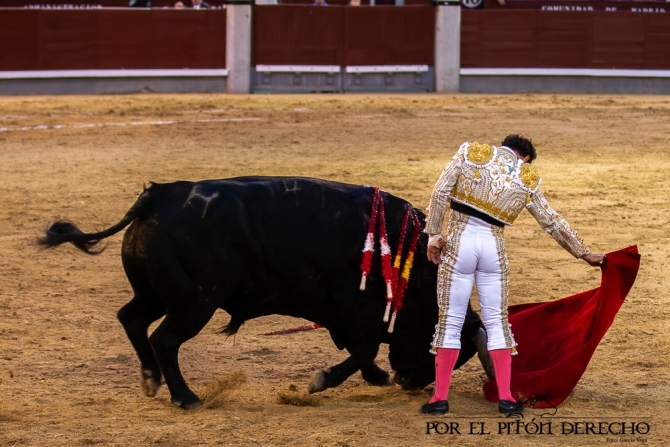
point(494, 181)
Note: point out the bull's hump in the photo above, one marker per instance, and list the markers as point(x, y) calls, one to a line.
point(254, 196)
point(288, 183)
point(275, 188)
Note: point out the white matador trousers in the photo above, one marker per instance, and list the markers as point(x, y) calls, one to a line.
point(475, 253)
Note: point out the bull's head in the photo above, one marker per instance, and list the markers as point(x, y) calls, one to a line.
point(416, 370)
point(410, 343)
point(409, 346)
point(416, 379)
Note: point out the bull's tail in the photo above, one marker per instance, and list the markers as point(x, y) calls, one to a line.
point(64, 230)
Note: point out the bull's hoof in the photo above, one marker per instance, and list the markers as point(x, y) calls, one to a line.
point(318, 383)
point(189, 404)
point(383, 382)
point(149, 383)
point(480, 340)
point(409, 383)
point(377, 378)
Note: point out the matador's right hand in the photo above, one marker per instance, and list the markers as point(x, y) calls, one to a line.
point(437, 248)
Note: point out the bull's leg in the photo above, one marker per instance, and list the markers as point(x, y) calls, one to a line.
point(333, 376)
point(179, 326)
point(374, 375)
point(136, 316)
point(362, 356)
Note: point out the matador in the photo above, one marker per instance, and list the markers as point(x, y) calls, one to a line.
point(486, 187)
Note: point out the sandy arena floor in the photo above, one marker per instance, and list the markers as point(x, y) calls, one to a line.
point(69, 376)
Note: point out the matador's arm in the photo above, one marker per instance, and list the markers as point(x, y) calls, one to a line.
point(440, 196)
point(554, 224)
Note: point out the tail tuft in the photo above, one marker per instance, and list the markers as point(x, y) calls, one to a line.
point(64, 230)
point(236, 321)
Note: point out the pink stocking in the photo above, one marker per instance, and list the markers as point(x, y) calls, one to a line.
point(502, 364)
point(444, 365)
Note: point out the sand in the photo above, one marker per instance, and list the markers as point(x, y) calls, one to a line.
point(69, 376)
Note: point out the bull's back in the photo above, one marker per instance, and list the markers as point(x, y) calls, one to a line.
point(300, 228)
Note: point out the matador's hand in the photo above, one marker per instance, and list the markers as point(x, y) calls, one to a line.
point(437, 247)
point(594, 259)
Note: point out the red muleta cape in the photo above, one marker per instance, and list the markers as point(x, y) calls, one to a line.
point(556, 339)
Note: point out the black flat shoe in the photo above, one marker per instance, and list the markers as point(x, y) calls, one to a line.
point(509, 408)
point(436, 408)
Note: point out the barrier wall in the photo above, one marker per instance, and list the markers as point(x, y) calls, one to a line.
point(638, 6)
point(111, 39)
point(76, 4)
point(303, 35)
point(88, 4)
point(300, 35)
point(307, 48)
point(547, 39)
point(307, 35)
point(388, 35)
point(338, 48)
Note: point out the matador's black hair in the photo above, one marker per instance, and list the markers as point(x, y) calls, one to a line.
point(522, 145)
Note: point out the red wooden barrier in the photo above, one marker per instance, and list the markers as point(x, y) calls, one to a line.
point(546, 39)
point(300, 35)
point(19, 39)
point(194, 40)
point(343, 35)
point(81, 39)
point(639, 6)
point(86, 4)
point(388, 35)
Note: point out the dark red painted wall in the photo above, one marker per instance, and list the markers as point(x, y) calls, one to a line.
point(547, 39)
point(389, 35)
point(56, 39)
point(639, 6)
point(342, 35)
point(53, 39)
point(300, 35)
point(85, 4)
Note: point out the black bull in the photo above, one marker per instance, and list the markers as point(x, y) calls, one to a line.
point(257, 246)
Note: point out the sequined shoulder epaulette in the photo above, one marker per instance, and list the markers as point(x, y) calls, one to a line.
point(529, 176)
point(480, 153)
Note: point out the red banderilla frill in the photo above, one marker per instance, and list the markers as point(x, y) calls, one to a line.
point(403, 281)
point(369, 247)
point(396, 264)
point(387, 271)
point(396, 283)
point(377, 211)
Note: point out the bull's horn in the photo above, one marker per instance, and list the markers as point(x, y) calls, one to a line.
point(480, 340)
